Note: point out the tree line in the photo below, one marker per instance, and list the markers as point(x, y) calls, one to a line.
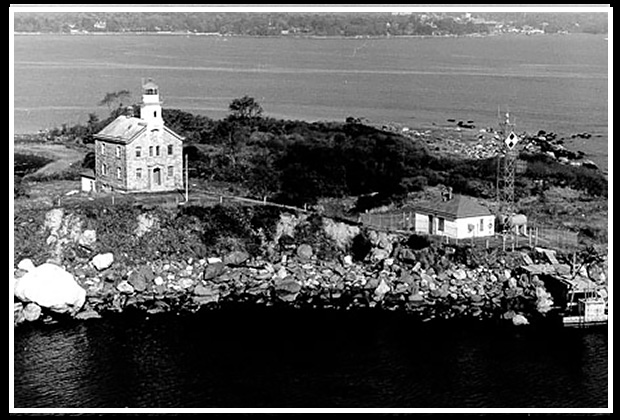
point(317, 24)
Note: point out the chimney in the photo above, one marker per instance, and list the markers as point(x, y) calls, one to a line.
point(129, 111)
point(447, 195)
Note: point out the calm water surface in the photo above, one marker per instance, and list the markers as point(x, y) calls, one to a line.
point(556, 83)
point(243, 357)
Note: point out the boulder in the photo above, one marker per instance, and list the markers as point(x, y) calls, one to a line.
point(544, 301)
point(236, 258)
point(26, 264)
point(416, 298)
point(125, 287)
point(384, 241)
point(519, 319)
point(287, 289)
point(88, 238)
point(347, 260)
point(509, 314)
point(459, 274)
point(18, 313)
point(378, 254)
point(304, 251)
point(50, 286)
point(213, 270)
point(185, 282)
point(206, 294)
point(103, 261)
point(381, 290)
point(31, 312)
point(88, 314)
point(141, 278)
point(406, 255)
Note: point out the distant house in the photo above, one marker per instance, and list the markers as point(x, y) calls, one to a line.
point(139, 154)
point(455, 216)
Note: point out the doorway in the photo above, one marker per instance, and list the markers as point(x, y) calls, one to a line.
point(157, 176)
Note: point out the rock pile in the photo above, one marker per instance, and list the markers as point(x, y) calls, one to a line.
point(394, 279)
point(432, 282)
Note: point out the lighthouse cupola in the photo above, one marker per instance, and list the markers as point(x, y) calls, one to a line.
point(150, 108)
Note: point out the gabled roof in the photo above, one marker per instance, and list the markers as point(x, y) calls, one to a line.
point(458, 207)
point(122, 130)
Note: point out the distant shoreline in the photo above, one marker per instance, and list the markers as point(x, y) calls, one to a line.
point(300, 36)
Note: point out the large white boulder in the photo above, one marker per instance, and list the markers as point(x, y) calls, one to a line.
point(103, 261)
point(50, 286)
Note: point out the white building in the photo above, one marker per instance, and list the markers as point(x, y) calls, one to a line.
point(455, 216)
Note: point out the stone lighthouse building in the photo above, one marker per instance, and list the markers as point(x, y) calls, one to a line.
point(139, 154)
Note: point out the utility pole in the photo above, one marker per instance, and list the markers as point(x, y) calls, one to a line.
point(186, 178)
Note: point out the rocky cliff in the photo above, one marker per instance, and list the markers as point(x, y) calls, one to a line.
point(307, 261)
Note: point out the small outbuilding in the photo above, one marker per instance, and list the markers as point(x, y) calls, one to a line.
point(88, 181)
point(455, 216)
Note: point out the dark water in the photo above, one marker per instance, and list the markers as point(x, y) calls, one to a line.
point(295, 358)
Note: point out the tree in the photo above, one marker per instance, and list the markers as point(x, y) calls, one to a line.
point(245, 108)
point(112, 98)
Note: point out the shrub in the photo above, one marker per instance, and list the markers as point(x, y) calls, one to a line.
point(360, 247)
point(417, 242)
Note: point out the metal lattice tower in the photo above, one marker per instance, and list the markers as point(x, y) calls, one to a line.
point(506, 183)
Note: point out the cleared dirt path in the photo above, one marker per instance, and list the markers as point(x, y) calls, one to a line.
point(63, 156)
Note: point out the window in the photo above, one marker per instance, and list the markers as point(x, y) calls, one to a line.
point(138, 173)
point(118, 151)
point(156, 150)
point(119, 173)
point(138, 151)
point(104, 169)
point(481, 225)
point(103, 148)
point(440, 224)
point(155, 114)
point(169, 149)
point(170, 171)
point(150, 150)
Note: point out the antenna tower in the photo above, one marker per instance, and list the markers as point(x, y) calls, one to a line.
point(506, 182)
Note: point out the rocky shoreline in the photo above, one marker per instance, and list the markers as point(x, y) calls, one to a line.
point(421, 282)
point(394, 272)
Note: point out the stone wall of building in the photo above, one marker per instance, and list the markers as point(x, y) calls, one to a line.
point(154, 157)
point(113, 157)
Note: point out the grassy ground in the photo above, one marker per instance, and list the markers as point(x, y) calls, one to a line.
point(61, 155)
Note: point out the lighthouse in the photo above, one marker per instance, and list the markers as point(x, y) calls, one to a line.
point(139, 154)
point(150, 107)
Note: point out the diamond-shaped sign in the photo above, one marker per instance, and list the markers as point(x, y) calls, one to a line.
point(512, 140)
